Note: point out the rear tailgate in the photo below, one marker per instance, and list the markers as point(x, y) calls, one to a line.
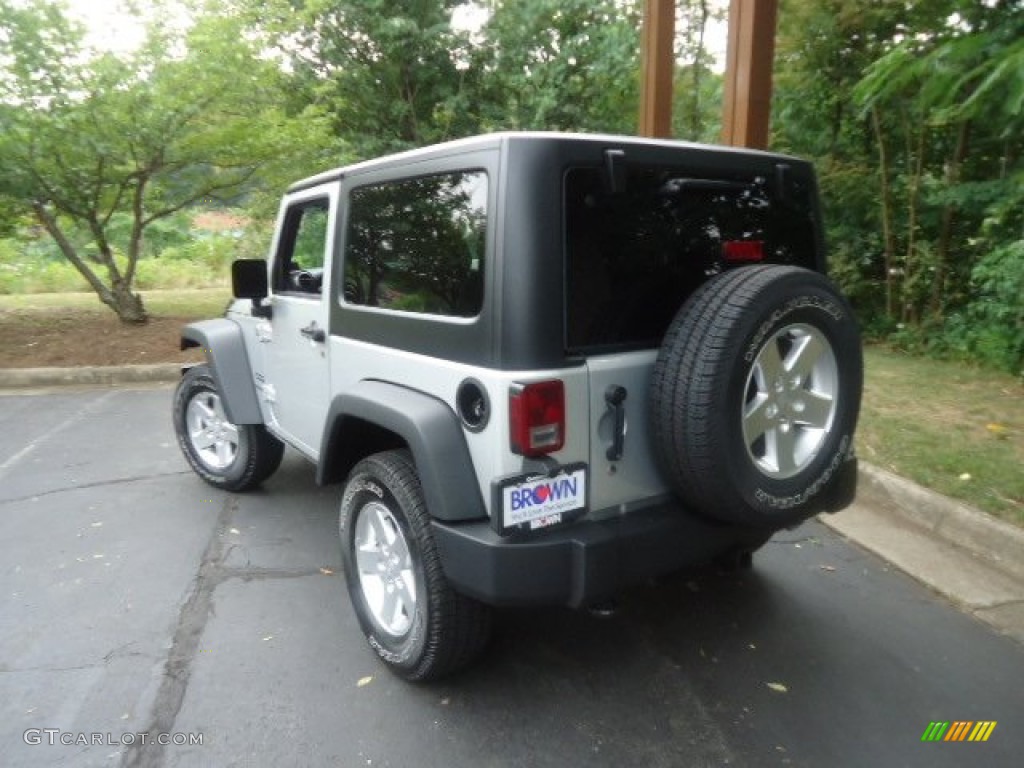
point(633, 477)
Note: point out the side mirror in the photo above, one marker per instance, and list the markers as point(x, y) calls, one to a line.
point(249, 281)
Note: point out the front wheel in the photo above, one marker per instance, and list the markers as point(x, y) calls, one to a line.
point(234, 457)
point(417, 624)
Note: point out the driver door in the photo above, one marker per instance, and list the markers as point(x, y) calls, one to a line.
point(295, 338)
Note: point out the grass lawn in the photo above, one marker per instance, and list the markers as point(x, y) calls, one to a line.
point(947, 426)
point(195, 303)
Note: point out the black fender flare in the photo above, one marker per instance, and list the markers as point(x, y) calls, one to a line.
point(376, 415)
point(224, 345)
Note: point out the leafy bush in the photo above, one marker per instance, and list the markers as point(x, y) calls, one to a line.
point(25, 267)
point(203, 261)
point(21, 273)
point(169, 232)
point(991, 328)
point(162, 273)
point(255, 240)
point(212, 254)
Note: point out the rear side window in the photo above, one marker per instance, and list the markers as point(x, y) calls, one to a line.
point(417, 245)
point(633, 256)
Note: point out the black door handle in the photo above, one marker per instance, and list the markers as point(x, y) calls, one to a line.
point(614, 397)
point(314, 333)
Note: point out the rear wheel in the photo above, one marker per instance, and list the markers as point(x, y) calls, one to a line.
point(417, 624)
point(756, 392)
point(235, 457)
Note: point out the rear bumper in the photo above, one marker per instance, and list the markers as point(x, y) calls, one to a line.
point(591, 560)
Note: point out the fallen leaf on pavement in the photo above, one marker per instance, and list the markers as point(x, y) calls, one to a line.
point(778, 687)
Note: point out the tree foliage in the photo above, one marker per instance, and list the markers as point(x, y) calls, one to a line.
point(570, 65)
point(697, 98)
point(190, 116)
point(390, 74)
point(914, 112)
point(394, 74)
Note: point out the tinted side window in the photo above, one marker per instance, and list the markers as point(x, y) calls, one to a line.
point(300, 258)
point(418, 245)
point(634, 256)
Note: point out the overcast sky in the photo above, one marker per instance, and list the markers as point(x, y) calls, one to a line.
point(109, 27)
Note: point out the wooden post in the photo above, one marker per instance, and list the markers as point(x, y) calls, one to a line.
point(748, 73)
point(658, 54)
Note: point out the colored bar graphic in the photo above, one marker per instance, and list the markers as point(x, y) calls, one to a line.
point(982, 731)
point(958, 730)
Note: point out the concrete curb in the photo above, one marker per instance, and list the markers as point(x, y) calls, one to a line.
point(999, 544)
point(22, 378)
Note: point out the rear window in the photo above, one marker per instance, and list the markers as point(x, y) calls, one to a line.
point(634, 255)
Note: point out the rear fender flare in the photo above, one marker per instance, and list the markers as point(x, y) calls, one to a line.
point(429, 428)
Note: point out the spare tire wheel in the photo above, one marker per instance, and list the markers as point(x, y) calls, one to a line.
point(755, 394)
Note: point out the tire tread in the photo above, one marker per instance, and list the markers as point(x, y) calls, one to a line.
point(458, 627)
point(693, 368)
point(264, 450)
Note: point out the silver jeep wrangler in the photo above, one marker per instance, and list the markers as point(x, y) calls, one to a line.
point(542, 367)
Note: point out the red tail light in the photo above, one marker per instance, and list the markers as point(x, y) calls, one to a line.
point(743, 250)
point(537, 417)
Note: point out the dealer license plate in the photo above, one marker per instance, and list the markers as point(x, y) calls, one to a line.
point(530, 502)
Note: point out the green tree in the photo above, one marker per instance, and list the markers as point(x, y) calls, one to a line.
point(698, 89)
point(961, 85)
point(913, 112)
point(87, 138)
point(571, 65)
point(823, 49)
point(394, 74)
point(391, 74)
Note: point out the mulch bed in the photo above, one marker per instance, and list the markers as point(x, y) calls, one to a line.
point(35, 339)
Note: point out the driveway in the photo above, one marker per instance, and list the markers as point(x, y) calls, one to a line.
point(136, 599)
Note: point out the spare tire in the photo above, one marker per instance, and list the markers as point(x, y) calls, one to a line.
point(755, 394)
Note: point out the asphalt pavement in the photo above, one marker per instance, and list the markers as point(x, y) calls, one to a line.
point(136, 599)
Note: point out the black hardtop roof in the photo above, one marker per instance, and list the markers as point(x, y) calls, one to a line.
point(495, 140)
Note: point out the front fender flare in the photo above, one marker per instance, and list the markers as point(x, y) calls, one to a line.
point(224, 345)
point(427, 425)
